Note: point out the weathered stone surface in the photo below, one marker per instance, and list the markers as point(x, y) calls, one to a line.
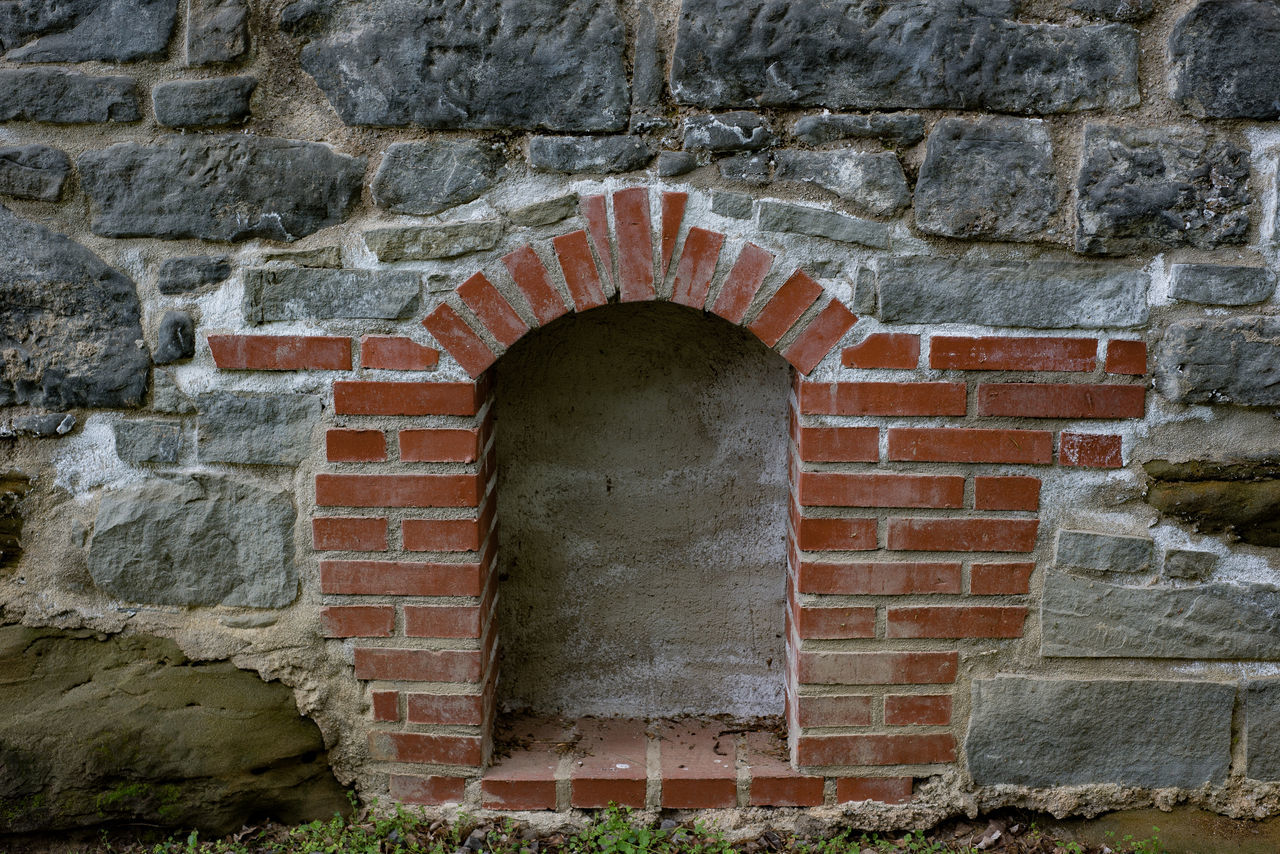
point(1222, 54)
point(737, 131)
point(85, 30)
point(33, 172)
point(1126, 11)
point(70, 326)
point(287, 293)
point(646, 76)
point(266, 429)
point(672, 163)
point(1227, 360)
point(1088, 618)
point(918, 53)
point(736, 205)
point(40, 426)
point(1041, 294)
point(148, 441)
point(1262, 729)
point(545, 212)
point(532, 64)
point(1241, 500)
point(895, 128)
point(1103, 552)
point(988, 178)
point(230, 187)
point(873, 182)
point(1181, 563)
point(176, 338)
point(433, 241)
point(428, 177)
point(748, 168)
point(595, 154)
point(329, 257)
point(1143, 188)
point(217, 31)
point(203, 103)
point(61, 97)
point(185, 274)
point(167, 397)
point(1063, 732)
point(1217, 284)
point(13, 486)
point(779, 216)
point(129, 730)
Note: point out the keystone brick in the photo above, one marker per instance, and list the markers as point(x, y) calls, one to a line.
point(1127, 357)
point(838, 710)
point(816, 340)
point(418, 665)
point(673, 205)
point(397, 490)
point(531, 278)
point(352, 534)
point(742, 283)
point(492, 309)
point(785, 307)
point(351, 397)
point(836, 622)
point(427, 791)
point(819, 750)
point(579, 268)
point(956, 622)
point(1091, 451)
point(440, 445)
point(839, 444)
point(426, 749)
point(355, 446)
point(877, 668)
point(280, 352)
point(831, 489)
point(962, 445)
point(889, 790)
point(396, 353)
point(917, 710)
point(963, 535)
point(998, 353)
point(445, 709)
point(597, 218)
point(994, 579)
point(457, 337)
point(358, 621)
point(882, 398)
point(1061, 400)
point(635, 244)
point(696, 267)
point(836, 534)
point(879, 579)
point(441, 535)
point(399, 578)
point(442, 621)
point(385, 705)
point(884, 351)
point(1006, 493)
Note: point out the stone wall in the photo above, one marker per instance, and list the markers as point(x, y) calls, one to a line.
point(266, 261)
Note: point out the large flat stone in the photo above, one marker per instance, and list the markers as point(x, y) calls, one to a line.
point(873, 182)
point(916, 53)
point(1241, 500)
point(815, 222)
point(549, 64)
point(231, 187)
point(1223, 55)
point(85, 30)
point(428, 177)
point(195, 540)
point(1220, 284)
point(1041, 294)
point(264, 429)
point(1221, 360)
point(148, 441)
point(291, 293)
point(737, 131)
point(33, 172)
point(217, 31)
point(432, 242)
point(191, 272)
point(601, 155)
point(895, 128)
point(1262, 729)
point(1063, 732)
point(1103, 552)
point(63, 97)
point(203, 103)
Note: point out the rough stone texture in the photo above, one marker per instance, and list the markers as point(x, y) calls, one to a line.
point(1218, 284)
point(33, 172)
point(86, 30)
point(1116, 10)
point(176, 338)
point(1221, 360)
point(532, 64)
point(148, 441)
point(599, 155)
point(256, 428)
point(195, 540)
point(428, 177)
point(779, 216)
point(14, 486)
point(1103, 552)
point(62, 97)
point(873, 182)
point(288, 293)
point(1240, 500)
point(39, 426)
point(329, 257)
point(433, 241)
point(748, 168)
point(219, 188)
point(127, 729)
point(737, 131)
point(1262, 729)
point(673, 163)
point(70, 327)
point(166, 397)
point(1088, 618)
point(203, 103)
point(736, 205)
point(545, 212)
point(1180, 563)
point(989, 178)
point(1140, 189)
point(1062, 732)
point(895, 128)
point(217, 31)
point(1222, 54)
point(1041, 294)
point(189, 273)
point(917, 53)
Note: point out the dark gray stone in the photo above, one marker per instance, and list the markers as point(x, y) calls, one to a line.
point(779, 216)
point(33, 172)
point(148, 441)
point(289, 293)
point(185, 274)
point(195, 540)
point(1127, 11)
point(1228, 360)
point(1180, 563)
point(738, 131)
point(176, 338)
point(747, 168)
point(167, 397)
point(912, 54)
point(533, 64)
point(1216, 284)
point(265, 429)
point(217, 31)
point(1262, 729)
point(873, 182)
point(895, 128)
point(61, 97)
point(227, 188)
point(1223, 54)
point(734, 205)
point(428, 177)
point(1040, 294)
point(70, 329)
point(1140, 189)
point(646, 76)
point(39, 426)
point(673, 163)
point(1064, 732)
point(1103, 552)
point(1238, 499)
point(1089, 618)
point(432, 242)
point(988, 178)
point(86, 30)
point(599, 155)
point(203, 103)
point(545, 212)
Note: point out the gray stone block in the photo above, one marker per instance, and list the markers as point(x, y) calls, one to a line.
point(599, 155)
point(747, 168)
point(1140, 189)
point(989, 178)
point(231, 187)
point(779, 216)
point(33, 172)
point(189, 273)
point(1262, 729)
point(83, 30)
point(203, 103)
point(61, 97)
point(1218, 284)
point(735, 205)
point(432, 242)
point(1040, 294)
point(43, 426)
point(288, 293)
point(1126, 11)
point(176, 338)
point(647, 65)
point(1229, 360)
point(894, 128)
point(1180, 563)
point(148, 441)
point(545, 212)
point(262, 429)
point(217, 31)
point(1065, 732)
point(1222, 55)
point(428, 177)
point(192, 541)
point(737, 131)
point(166, 397)
point(673, 163)
point(873, 182)
point(1103, 552)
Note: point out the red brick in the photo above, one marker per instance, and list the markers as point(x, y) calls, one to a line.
point(441, 535)
point(1090, 451)
point(963, 535)
point(975, 621)
point(838, 710)
point(386, 705)
point(869, 749)
point(442, 621)
point(917, 710)
point(418, 665)
point(774, 783)
point(610, 768)
point(445, 709)
point(1006, 493)
point(835, 489)
point(1061, 400)
point(968, 445)
point(460, 340)
point(396, 353)
point(1127, 357)
point(349, 534)
point(673, 205)
point(423, 748)
point(280, 352)
point(998, 353)
point(579, 268)
point(876, 668)
point(884, 351)
point(696, 268)
point(888, 790)
point(352, 397)
point(635, 244)
point(531, 278)
point(398, 490)
point(742, 283)
point(698, 766)
point(428, 791)
point(358, 621)
point(597, 219)
point(440, 445)
point(784, 308)
point(526, 778)
point(355, 446)
point(399, 578)
point(492, 309)
point(825, 330)
point(879, 579)
point(882, 398)
point(820, 535)
point(836, 623)
point(994, 579)
point(839, 444)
